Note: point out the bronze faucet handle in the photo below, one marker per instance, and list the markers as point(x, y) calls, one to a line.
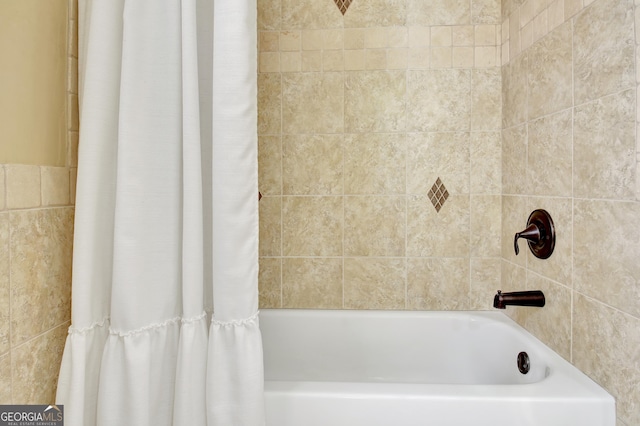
point(531, 233)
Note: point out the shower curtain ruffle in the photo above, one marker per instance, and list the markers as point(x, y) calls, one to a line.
point(166, 360)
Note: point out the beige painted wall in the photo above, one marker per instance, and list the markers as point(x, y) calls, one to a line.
point(33, 82)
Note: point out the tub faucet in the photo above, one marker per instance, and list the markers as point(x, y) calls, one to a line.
point(518, 298)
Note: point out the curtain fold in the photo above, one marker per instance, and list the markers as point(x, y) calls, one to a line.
point(166, 218)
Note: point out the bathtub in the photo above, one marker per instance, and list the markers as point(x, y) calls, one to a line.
point(401, 368)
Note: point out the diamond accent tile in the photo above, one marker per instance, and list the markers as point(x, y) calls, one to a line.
point(343, 5)
point(438, 194)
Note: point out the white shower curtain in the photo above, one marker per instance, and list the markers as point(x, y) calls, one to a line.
point(164, 314)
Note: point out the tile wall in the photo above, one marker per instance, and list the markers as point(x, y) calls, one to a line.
point(359, 116)
point(570, 117)
point(36, 237)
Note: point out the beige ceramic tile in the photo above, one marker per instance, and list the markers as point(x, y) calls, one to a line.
point(419, 36)
point(605, 148)
point(514, 92)
point(2, 189)
point(269, 104)
point(526, 36)
point(41, 246)
point(270, 165)
point(269, 14)
point(35, 367)
point(441, 36)
point(5, 379)
point(486, 107)
point(312, 283)
point(439, 100)
point(550, 73)
point(375, 38)
point(325, 114)
point(514, 40)
point(463, 35)
point(55, 186)
point(5, 299)
point(514, 219)
point(373, 283)
point(397, 37)
point(269, 62)
point(555, 13)
point(486, 211)
point(333, 60)
point(311, 61)
point(290, 61)
point(438, 155)
point(310, 14)
point(571, 7)
point(374, 101)
point(419, 58)
point(73, 178)
point(540, 25)
point(290, 40)
point(438, 12)
point(312, 226)
point(462, 57)
point(72, 154)
point(505, 54)
point(485, 282)
point(73, 114)
point(269, 41)
point(376, 13)
point(606, 246)
point(375, 59)
point(485, 35)
point(603, 53)
point(551, 323)
point(312, 165)
point(374, 226)
point(438, 284)
point(72, 75)
point(354, 60)
point(270, 226)
point(526, 13)
point(607, 347)
point(514, 160)
point(270, 283)
point(354, 38)
point(22, 186)
point(73, 34)
point(550, 155)
point(333, 39)
point(397, 59)
point(485, 156)
point(312, 39)
point(558, 266)
point(485, 12)
point(374, 163)
point(486, 57)
point(444, 233)
point(441, 57)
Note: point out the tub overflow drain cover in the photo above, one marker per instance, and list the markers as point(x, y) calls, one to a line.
point(523, 362)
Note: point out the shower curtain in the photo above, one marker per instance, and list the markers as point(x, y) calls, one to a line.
point(164, 302)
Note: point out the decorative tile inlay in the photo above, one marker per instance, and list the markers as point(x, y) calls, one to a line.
point(343, 5)
point(438, 194)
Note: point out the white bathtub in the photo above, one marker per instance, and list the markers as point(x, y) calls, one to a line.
point(389, 368)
